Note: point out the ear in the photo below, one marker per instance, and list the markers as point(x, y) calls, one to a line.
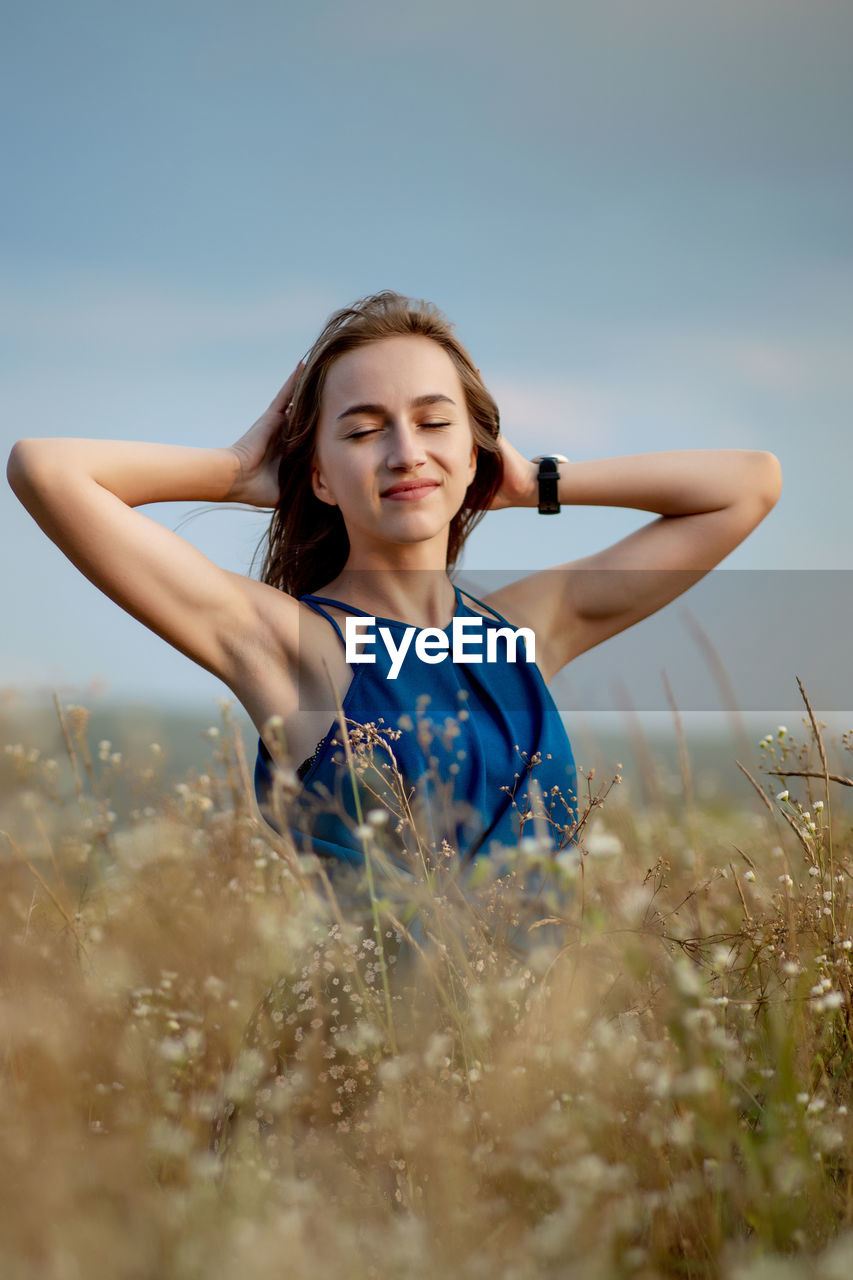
point(321, 489)
point(472, 463)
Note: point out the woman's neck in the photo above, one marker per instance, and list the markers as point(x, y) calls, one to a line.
point(407, 581)
point(419, 597)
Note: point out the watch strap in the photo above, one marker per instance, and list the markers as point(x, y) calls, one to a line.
point(548, 477)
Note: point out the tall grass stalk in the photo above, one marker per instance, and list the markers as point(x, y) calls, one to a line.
point(220, 1056)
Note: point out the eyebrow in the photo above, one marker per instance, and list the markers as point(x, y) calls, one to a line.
point(434, 398)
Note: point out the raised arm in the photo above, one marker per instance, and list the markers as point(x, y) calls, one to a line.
point(708, 500)
point(83, 494)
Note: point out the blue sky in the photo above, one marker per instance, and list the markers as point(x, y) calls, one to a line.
point(637, 212)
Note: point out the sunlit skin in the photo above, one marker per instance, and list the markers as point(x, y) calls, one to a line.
point(84, 494)
point(394, 413)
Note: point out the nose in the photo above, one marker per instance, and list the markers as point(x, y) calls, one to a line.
point(405, 448)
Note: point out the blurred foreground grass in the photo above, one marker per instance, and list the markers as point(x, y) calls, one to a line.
point(219, 1062)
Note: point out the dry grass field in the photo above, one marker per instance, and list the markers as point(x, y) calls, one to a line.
point(631, 1059)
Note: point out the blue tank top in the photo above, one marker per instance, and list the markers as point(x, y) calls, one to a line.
point(480, 748)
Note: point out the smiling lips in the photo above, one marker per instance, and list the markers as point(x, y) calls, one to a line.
point(410, 490)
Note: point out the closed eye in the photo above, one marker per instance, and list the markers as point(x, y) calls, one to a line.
point(360, 435)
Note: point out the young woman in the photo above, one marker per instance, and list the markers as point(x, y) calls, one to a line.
point(378, 455)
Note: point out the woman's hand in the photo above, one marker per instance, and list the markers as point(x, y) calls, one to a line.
point(258, 451)
point(520, 487)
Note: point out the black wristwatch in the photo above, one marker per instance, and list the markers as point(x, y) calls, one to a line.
point(549, 477)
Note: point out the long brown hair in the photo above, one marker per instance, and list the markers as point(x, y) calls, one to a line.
point(306, 544)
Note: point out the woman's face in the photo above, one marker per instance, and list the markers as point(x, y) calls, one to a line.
point(394, 448)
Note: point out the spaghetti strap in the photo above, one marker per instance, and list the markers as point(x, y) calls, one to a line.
point(316, 603)
point(338, 604)
point(499, 616)
point(313, 602)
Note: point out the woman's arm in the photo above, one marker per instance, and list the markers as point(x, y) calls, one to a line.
point(137, 473)
point(83, 493)
point(676, 483)
point(709, 501)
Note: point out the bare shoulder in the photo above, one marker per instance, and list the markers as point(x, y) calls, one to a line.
point(287, 653)
point(540, 602)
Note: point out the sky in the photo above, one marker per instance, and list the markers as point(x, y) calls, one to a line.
point(637, 213)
